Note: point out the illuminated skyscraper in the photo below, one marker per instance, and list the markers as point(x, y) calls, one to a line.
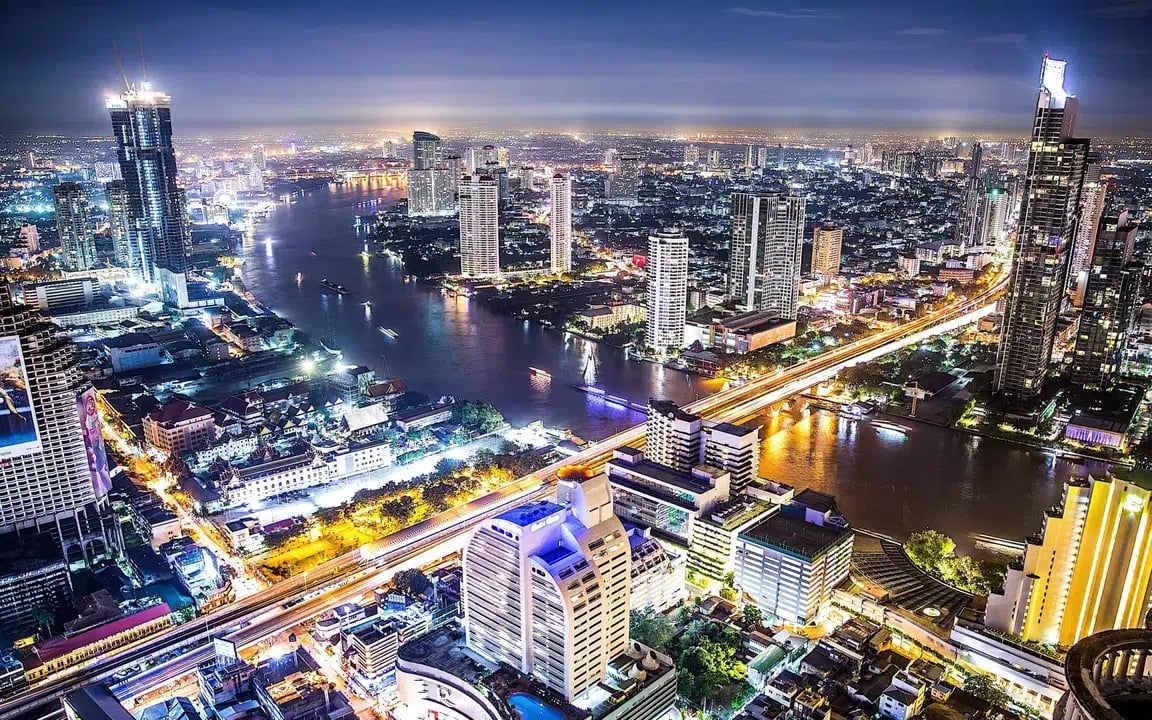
point(1091, 209)
point(968, 216)
point(827, 244)
point(762, 157)
point(667, 289)
point(991, 211)
point(157, 218)
point(259, 157)
point(1087, 571)
point(692, 154)
point(479, 226)
point(764, 254)
point(714, 159)
point(623, 186)
point(1110, 300)
point(427, 151)
point(547, 587)
point(1048, 221)
point(127, 254)
point(433, 180)
point(74, 226)
point(561, 223)
point(749, 157)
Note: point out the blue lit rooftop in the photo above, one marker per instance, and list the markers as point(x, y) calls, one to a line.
point(525, 515)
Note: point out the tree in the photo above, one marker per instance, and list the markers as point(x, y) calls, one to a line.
point(45, 619)
point(411, 582)
point(400, 508)
point(651, 628)
point(753, 615)
point(985, 688)
point(928, 549)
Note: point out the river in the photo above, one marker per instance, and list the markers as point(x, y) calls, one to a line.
point(932, 477)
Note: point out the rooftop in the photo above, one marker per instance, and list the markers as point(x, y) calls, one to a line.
point(784, 531)
point(526, 514)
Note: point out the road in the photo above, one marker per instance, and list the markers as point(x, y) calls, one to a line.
point(360, 570)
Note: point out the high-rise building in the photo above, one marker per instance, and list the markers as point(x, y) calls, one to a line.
point(735, 449)
point(561, 223)
point(259, 157)
point(749, 157)
point(667, 289)
point(624, 185)
point(157, 214)
point(714, 159)
point(764, 255)
point(427, 151)
point(827, 243)
point(1091, 210)
point(779, 157)
point(527, 177)
point(128, 255)
point(691, 154)
point(546, 587)
point(867, 154)
point(967, 216)
point(1051, 204)
point(503, 157)
point(479, 226)
point(673, 437)
point(610, 156)
point(1087, 571)
point(762, 157)
point(992, 212)
point(1110, 301)
point(53, 489)
point(74, 226)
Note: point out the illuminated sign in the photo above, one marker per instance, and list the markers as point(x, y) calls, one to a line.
point(19, 434)
point(639, 260)
point(94, 442)
point(1133, 503)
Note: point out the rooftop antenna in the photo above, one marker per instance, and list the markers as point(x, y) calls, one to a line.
point(143, 67)
point(120, 63)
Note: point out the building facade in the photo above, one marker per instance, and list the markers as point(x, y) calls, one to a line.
point(765, 252)
point(479, 227)
point(667, 289)
point(560, 223)
point(827, 245)
point(74, 226)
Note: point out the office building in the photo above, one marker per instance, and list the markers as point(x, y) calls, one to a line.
point(427, 151)
point(623, 186)
point(479, 226)
point(1109, 677)
point(827, 243)
point(667, 289)
point(124, 243)
point(1091, 210)
point(29, 582)
point(260, 158)
point(93, 702)
point(57, 294)
point(1088, 570)
point(658, 574)
point(527, 178)
point(692, 155)
point(790, 562)
point(560, 223)
point(712, 554)
point(667, 501)
point(1111, 298)
point(433, 180)
point(673, 437)
point(157, 220)
point(547, 585)
point(1056, 167)
point(179, 427)
point(74, 226)
point(765, 251)
point(779, 157)
point(967, 215)
point(52, 489)
point(749, 157)
point(992, 212)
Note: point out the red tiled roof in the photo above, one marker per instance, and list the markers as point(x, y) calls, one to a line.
point(55, 647)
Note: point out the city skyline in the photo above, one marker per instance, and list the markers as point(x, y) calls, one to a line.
point(832, 66)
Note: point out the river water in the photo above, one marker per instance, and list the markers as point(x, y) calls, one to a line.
point(888, 482)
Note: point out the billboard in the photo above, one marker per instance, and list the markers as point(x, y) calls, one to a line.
point(19, 434)
point(94, 442)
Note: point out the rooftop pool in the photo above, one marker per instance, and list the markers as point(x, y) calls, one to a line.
point(533, 708)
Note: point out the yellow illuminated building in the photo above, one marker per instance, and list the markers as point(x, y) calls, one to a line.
point(1088, 570)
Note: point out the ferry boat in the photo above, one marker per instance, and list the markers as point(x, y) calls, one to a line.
point(335, 287)
point(538, 372)
point(388, 332)
point(331, 347)
point(890, 426)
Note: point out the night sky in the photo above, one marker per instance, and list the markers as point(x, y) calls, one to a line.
point(879, 64)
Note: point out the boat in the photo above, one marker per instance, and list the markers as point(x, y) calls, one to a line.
point(335, 287)
point(538, 372)
point(331, 347)
point(890, 426)
point(388, 332)
point(313, 253)
point(615, 400)
point(367, 303)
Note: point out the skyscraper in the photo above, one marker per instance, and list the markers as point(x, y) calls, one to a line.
point(749, 157)
point(762, 157)
point(74, 226)
point(561, 223)
point(1110, 299)
point(1091, 209)
point(691, 154)
point(1048, 217)
point(128, 254)
point(547, 588)
point(992, 211)
point(967, 216)
point(427, 151)
point(479, 226)
point(624, 185)
point(54, 489)
point(827, 243)
point(714, 159)
point(432, 181)
point(667, 289)
point(1087, 571)
point(672, 436)
point(157, 218)
point(259, 157)
point(764, 255)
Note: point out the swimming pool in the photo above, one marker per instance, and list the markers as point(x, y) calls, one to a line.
point(532, 708)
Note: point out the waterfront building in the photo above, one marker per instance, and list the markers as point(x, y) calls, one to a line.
point(692, 154)
point(1109, 677)
point(673, 437)
point(712, 554)
point(427, 151)
point(827, 244)
point(1088, 570)
point(765, 252)
point(1110, 301)
point(667, 289)
point(74, 226)
point(1048, 225)
point(790, 562)
point(157, 219)
point(560, 223)
point(51, 488)
point(656, 496)
point(432, 181)
point(1091, 210)
point(479, 226)
point(734, 449)
point(547, 587)
point(179, 427)
point(658, 574)
point(623, 186)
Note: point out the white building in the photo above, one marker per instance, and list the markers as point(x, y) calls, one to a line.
point(673, 436)
point(561, 223)
point(432, 192)
point(658, 574)
point(735, 449)
point(547, 587)
point(479, 226)
point(667, 289)
point(765, 252)
point(74, 226)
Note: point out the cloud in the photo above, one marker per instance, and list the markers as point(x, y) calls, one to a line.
point(922, 31)
point(789, 14)
point(1126, 9)
point(1002, 39)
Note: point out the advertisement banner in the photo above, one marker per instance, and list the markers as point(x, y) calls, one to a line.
point(94, 442)
point(19, 433)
